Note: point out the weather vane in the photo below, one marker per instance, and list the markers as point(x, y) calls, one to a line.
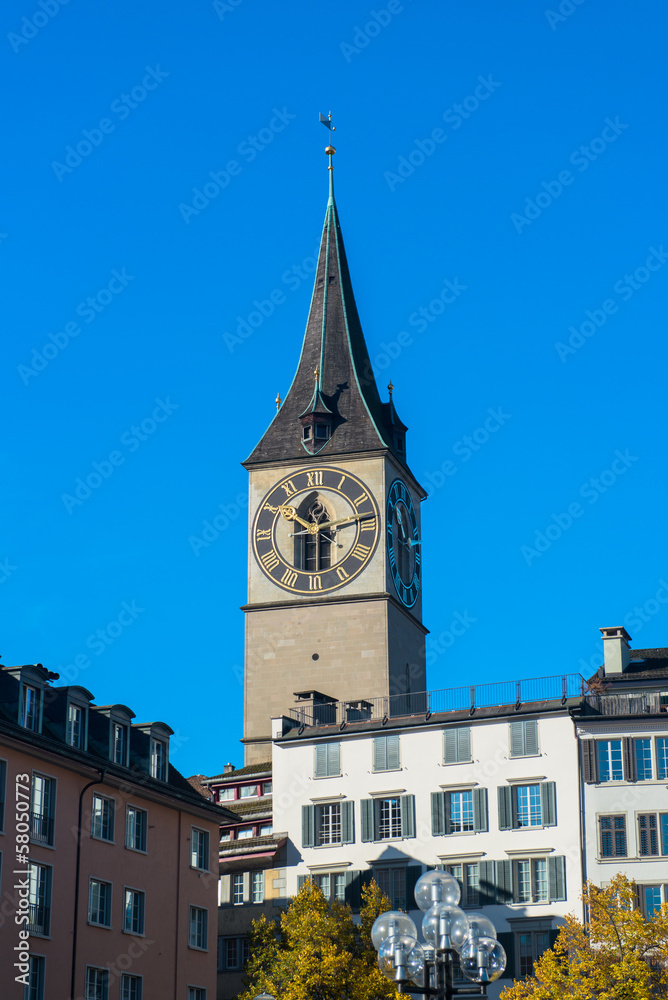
point(327, 122)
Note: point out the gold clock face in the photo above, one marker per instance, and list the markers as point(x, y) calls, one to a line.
point(316, 530)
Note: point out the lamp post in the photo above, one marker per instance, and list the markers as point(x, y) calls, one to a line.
point(449, 931)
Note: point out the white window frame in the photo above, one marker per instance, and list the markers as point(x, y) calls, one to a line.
point(144, 812)
point(257, 897)
point(50, 815)
point(125, 993)
point(141, 896)
point(194, 927)
point(105, 983)
point(110, 804)
point(98, 923)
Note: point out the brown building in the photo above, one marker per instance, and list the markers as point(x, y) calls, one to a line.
point(252, 866)
point(109, 856)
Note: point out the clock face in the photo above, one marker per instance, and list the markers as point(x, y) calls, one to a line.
point(403, 543)
point(316, 530)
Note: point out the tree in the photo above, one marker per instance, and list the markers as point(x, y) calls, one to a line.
point(316, 952)
point(618, 955)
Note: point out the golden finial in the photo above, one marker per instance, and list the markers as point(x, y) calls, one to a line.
point(327, 122)
point(390, 388)
point(316, 374)
point(278, 401)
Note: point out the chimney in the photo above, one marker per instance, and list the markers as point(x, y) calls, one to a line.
point(228, 769)
point(615, 649)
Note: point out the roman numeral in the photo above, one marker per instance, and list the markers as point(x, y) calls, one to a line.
point(360, 499)
point(369, 524)
point(315, 583)
point(269, 560)
point(341, 482)
point(361, 551)
point(289, 488)
point(393, 558)
point(341, 573)
point(314, 478)
point(289, 578)
point(262, 533)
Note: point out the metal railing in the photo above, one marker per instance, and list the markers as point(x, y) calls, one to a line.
point(41, 828)
point(459, 699)
point(39, 918)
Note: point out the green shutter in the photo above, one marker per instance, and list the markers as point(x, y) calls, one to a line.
point(589, 761)
point(480, 818)
point(628, 759)
point(368, 817)
point(347, 822)
point(308, 826)
point(321, 760)
point(353, 890)
point(413, 873)
point(486, 882)
point(531, 737)
point(437, 814)
point(393, 758)
point(380, 753)
point(450, 746)
point(464, 743)
point(333, 759)
point(504, 881)
point(548, 802)
point(505, 800)
point(517, 745)
point(507, 942)
point(407, 815)
point(448, 812)
point(556, 878)
point(300, 882)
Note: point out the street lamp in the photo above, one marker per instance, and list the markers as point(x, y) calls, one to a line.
point(449, 931)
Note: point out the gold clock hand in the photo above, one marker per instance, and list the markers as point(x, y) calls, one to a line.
point(290, 514)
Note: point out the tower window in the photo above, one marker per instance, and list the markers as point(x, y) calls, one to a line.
point(314, 552)
point(307, 432)
point(322, 431)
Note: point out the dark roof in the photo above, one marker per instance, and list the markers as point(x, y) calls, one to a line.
point(241, 772)
point(244, 808)
point(644, 664)
point(333, 343)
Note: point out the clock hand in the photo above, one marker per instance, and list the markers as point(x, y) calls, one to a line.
point(413, 543)
point(342, 520)
point(290, 514)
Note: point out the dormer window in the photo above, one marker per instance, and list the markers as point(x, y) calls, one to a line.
point(307, 432)
point(400, 442)
point(75, 726)
point(119, 743)
point(30, 707)
point(158, 759)
point(321, 432)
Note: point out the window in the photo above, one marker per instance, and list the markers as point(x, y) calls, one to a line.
point(225, 794)
point(662, 758)
point(467, 875)
point(30, 707)
point(386, 753)
point(3, 792)
point(237, 888)
point(198, 928)
point(524, 738)
point(257, 887)
point(225, 836)
point(527, 880)
point(35, 987)
point(650, 897)
point(530, 946)
point(135, 828)
point(266, 830)
point(196, 993)
point(322, 431)
point(313, 552)
point(99, 903)
point(643, 755)
point(457, 745)
point(459, 812)
point(119, 743)
point(522, 806)
point(232, 953)
point(158, 760)
point(39, 899)
point(267, 788)
point(339, 887)
point(97, 984)
point(652, 834)
point(531, 881)
point(324, 883)
point(245, 833)
point(75, 726)
point(102, 818)
point(199, 849)
point(133, 911)
point(131, 987)
point(249, 792)
point(327, 760)
point(392, 881)
point(306, 432)
point(388, 818)
point(610, 760)
point(613, 836)
point(42, 809)
point(328, 819)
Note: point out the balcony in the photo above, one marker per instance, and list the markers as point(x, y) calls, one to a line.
point(39, 919)
point(41, 828)
point(648, 703)
point(427, 703)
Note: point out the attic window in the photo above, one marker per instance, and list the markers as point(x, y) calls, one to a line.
point(322, 431)
point(306, 432)
point(399, 442)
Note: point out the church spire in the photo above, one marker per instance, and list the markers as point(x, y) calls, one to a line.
point(342, 413)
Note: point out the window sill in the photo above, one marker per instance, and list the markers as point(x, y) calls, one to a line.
point(136, 850)
point(200, 871)
point(38, 934)
point(40, 843)
point(196, 947)
point(102, 840)
point(321, 777)
point(103, 927)
point(139, 934)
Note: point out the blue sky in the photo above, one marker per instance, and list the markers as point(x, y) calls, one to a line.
point(515, 151)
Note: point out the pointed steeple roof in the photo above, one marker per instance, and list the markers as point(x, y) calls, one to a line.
point(345, 388)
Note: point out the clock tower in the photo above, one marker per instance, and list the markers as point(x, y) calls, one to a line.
point(335, 554)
